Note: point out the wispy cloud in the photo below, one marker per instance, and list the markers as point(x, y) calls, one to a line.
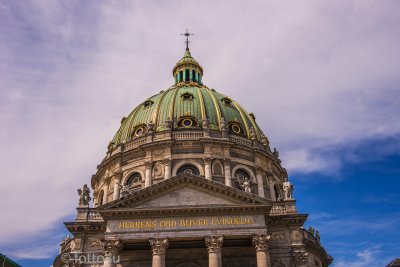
point(367, 257)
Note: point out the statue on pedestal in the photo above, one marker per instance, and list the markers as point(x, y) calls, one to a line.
point(84, 196)
point(288, 190)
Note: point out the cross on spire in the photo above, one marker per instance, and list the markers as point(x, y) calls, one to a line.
point(187, 34)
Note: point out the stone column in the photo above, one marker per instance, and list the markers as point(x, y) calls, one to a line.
point(271, 188)
point(147, 178)
point(167, 169)
point(207, 168)
point(111, 248)
point(105, 190)
point(260, 183)
point(227, 171)
point(260, 241)
point(214, 246)
point(159, 247)
point(118, 177)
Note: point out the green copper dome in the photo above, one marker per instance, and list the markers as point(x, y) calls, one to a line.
point(188, 105)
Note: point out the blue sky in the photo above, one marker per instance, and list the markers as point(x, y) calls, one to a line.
point(322, 78)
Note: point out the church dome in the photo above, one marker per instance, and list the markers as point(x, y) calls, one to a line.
point(188, 105)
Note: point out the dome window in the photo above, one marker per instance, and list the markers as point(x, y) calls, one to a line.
point(236, 128)
point(187, 75)
point(226, 101)
point(194, 76)
point(188, 122)
point(242, 180)
point(134, 179)
point(187, 96)
point(189, 169)
point(180, 76)
point(148, 103)
point(139, 130)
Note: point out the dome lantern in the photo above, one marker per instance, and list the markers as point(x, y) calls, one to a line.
point(187, 69)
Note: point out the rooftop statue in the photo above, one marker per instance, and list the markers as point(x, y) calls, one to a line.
point(84, 196)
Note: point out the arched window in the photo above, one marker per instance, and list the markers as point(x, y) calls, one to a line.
point(181, 76)
point(217, 168)
point(194, 76)
point(134, 179)
point(241, 176)
point(277, 193)
point(100, 198)
point(187, 74)
point(188, 168)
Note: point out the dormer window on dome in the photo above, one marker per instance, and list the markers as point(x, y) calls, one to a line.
point(188, 122)
point(226, 101)
point(148, 103)
point(187, 96)
point(236, 128)
point(139, 130)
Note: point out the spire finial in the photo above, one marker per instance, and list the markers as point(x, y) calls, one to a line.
point(187, 34)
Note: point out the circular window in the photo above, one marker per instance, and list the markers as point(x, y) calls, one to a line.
point(187, 122)
point(236, 128)
point(139, 131)
point(134, 179)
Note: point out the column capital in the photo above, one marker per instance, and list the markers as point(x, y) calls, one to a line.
point(159, 246)
point(227, 160)
point(148, 164)
point(207, 160)
point(214, 243)
point(300, 256)
point(167, 161)
point(111, 247)
point(260, 241)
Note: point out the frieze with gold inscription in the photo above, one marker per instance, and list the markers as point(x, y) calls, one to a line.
point(184, 223)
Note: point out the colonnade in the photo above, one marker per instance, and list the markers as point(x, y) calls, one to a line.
point(214, 246)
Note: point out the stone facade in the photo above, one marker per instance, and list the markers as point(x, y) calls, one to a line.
point(190, 194)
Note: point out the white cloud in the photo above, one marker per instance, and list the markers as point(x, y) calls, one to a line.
point(316, 74)
point(366, 257)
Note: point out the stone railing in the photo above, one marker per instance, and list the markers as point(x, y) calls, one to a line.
point(184, 135)
point(278, 208)
point(240, 140)
point(135, 143)
point(187, 135)
point(313, 237)
point(94, 215)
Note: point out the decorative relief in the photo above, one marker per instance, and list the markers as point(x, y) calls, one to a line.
point(217, 150)
point(300, 256)
point(260, 241)
point(278, 236)
point(158, 170)
point(158, 152)
point(95, 244)
point(159, 246)
point(111, 246)
point(214, 243)
point(296, 235)
point(75, 244)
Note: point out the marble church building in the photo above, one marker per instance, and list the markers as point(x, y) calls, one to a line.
point(190, 180)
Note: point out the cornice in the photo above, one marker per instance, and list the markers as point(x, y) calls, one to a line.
point(286, 220)
point(180, 181)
